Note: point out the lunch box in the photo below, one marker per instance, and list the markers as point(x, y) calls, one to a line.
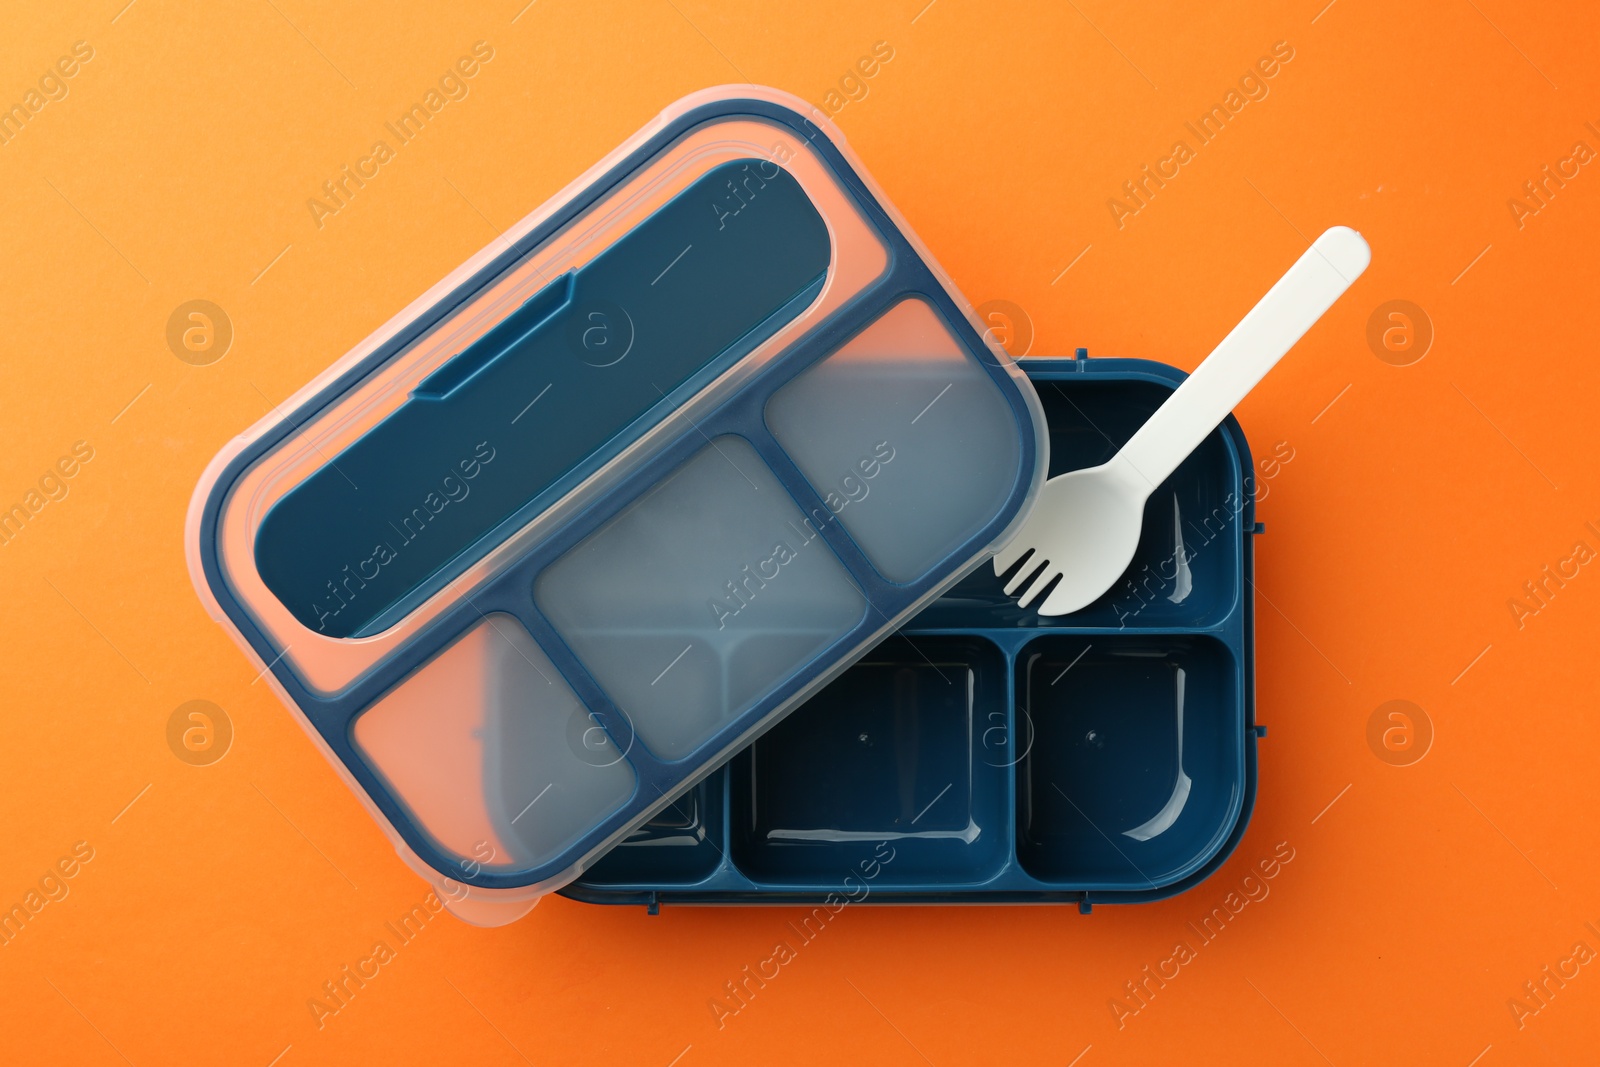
point(616, 495)
point(987, 754)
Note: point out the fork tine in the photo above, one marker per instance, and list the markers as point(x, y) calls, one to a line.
point(1046, 576)
point(1049, 574)
point(1020, 579)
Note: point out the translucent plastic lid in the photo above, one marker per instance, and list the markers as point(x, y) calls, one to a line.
point(600, 507)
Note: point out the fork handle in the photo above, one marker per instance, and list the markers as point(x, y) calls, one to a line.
point(1251, 349)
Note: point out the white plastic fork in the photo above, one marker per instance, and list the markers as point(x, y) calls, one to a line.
point(1084, 528)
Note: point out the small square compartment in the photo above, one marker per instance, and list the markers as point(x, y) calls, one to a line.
point(894, 766)
point(1132, 776)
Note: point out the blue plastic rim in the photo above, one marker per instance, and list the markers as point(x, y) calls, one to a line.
point(906, 276)
point(985, 754)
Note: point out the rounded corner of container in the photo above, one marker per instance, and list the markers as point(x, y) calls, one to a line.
point(208, 490)
point(486, 908)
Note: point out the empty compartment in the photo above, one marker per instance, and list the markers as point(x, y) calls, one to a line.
point(905, 436)
point(681, 845)
point(493, 753)
point(1186, 569)
point(1133, 773)
point(700, 597)
point(893, 774)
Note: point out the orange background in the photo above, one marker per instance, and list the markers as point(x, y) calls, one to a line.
point(1416, 506)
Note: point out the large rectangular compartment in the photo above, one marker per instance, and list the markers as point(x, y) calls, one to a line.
point(987, 754)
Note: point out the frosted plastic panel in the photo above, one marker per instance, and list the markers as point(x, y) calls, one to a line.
point(492, 752)
point(905, 436)
point(700, 597)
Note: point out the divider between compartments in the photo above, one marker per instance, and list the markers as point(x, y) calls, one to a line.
point(610, 718)
point(1014, 757)
point(725, 866)
point(873, 585)
point(730, 867)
